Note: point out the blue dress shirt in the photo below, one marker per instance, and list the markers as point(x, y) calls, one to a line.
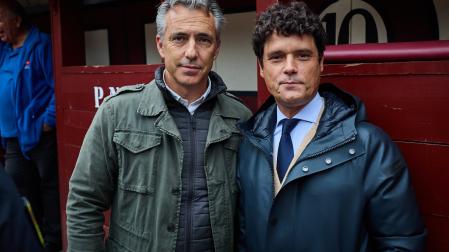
point(307, 116)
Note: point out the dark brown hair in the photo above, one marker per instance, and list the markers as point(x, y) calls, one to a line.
point(286, 20)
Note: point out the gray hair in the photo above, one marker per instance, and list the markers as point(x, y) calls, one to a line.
point(208, 5)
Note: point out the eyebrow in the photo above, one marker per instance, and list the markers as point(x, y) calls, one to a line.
point(304, 51)
point(186, 33)
point(178, 34)
point(202, 34)
point(300, 51)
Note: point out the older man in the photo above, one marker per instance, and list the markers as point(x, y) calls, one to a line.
point(162, 156)
point(314, 174)
point(27, 117)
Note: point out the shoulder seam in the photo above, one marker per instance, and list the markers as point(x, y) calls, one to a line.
point(126, 89)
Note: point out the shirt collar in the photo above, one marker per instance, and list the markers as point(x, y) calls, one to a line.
point(183, 101)
point(309, 113)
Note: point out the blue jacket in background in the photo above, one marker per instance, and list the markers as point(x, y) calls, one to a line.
point(349, 191)
point(34, 88)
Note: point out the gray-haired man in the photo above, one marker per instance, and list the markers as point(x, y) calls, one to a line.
point(162, 156)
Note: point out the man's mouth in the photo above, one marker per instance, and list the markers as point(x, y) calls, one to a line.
point(190, 70)
point(290, 82)
point(193, 67)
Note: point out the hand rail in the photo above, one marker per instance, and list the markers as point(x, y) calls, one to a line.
point(398, 51)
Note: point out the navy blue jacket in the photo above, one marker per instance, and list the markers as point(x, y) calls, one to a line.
point(349, 190)
point(16, 231)
point(34, 88)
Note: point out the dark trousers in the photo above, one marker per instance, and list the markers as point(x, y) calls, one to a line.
point(37, 179)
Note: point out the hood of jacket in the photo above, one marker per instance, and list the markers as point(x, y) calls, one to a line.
point(339, 107)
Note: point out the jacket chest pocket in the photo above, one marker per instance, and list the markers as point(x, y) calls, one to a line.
point(138, 157)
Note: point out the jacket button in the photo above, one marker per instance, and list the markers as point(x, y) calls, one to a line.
point(351, 151)
point(328, 161)
point(171, 227)
point(273, 221)
point(305, 169)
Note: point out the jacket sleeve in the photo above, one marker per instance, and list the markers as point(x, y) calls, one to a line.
point(394, 219)
point(1, 59)
point(47, 69)
point(92, 184)
point(16, 230)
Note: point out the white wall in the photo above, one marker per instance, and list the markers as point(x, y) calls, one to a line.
point(96, 45)
point(150, 44)
point(442, 10)
point(236, 62)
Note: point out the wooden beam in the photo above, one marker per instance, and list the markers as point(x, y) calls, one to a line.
point(262, 92)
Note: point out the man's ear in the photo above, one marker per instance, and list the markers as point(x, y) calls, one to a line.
point(217, 50)
point(260, 68)
point(18, 20)
point(322, 63)
point(160, 46)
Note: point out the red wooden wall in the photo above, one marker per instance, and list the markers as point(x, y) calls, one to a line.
point(409, 100)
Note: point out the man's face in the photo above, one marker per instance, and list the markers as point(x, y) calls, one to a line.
point(9, 26)
point(188, 47)
point(291, 70)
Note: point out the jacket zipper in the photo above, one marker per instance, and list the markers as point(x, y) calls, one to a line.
point(190, 183)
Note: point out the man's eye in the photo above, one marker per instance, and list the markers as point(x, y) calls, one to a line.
point(178, 39)
point(275, 57)
point(204, 41)
point(304, 57)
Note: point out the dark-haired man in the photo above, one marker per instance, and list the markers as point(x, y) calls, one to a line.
point(27, 118)
point(314, 175)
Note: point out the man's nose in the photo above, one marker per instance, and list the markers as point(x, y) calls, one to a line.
point(290, 66)
point(191, 50)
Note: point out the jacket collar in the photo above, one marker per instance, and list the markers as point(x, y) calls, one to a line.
point(32, 39)
point(155, 95)
point(263, 122)
point(337, 127)
point(151, 102)
point(217, 85)
point(341, 110)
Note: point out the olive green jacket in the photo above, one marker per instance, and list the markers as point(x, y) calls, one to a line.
point(130, 162)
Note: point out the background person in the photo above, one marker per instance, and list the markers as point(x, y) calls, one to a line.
point(27, 120)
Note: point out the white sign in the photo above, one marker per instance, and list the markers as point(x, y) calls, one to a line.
point(99, 94)
point(353, 22)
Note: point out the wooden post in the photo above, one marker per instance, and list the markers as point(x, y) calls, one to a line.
point(262, 92)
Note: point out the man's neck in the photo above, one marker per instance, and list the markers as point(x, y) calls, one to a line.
point(190, 93)
point(20, 40)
